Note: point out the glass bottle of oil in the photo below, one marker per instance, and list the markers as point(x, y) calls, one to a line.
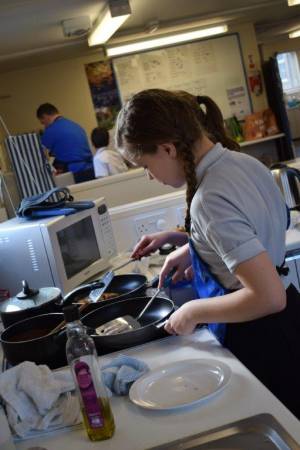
point(82, 358)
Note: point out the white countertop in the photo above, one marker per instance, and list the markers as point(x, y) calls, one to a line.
point(138, 429)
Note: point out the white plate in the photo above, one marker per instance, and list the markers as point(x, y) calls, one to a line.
point(180, 383)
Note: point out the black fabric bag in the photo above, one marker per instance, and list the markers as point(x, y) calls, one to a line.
point(57, 201)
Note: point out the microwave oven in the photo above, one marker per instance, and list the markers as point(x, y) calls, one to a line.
point(62, 251)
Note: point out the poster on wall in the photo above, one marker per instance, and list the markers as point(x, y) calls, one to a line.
point(237, 99)
point(104, 91)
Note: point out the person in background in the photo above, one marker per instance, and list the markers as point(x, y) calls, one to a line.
point(67, 142)
point(106, 161)
point(234, 245)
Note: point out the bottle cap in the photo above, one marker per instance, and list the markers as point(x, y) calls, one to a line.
point(71, 313)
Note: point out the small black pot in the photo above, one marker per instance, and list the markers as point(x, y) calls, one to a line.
point(50, 350)
point(28, 303)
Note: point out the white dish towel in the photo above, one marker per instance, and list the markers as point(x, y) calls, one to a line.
point(38, 399)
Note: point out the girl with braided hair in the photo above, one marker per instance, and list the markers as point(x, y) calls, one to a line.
point(234, 245)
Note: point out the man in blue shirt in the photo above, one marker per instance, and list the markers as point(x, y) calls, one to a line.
point(67, 142)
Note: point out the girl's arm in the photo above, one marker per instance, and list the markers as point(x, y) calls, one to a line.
point(150, 243)
point(263, 294)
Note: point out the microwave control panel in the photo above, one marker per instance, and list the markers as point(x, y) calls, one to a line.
point(107, 231)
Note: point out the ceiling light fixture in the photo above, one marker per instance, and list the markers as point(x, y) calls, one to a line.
point(294, 34)
point(293, 2)
point(165, 40)
point(112, 17)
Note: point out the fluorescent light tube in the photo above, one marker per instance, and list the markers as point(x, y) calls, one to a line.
point(293, 2)
point(107, 25)
point(165, 40)
point(294, 34)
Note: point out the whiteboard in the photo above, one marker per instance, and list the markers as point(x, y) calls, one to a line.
point(212, 67)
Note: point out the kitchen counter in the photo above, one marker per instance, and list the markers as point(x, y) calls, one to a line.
point(138, 428)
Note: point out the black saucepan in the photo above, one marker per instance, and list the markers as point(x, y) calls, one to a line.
point(158, 312)
point(27, 340)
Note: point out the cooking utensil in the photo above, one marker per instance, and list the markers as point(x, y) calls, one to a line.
point(95, 294)
point(127, 323)
point(125, 286)
point(30, 340)
point(100, 290)
point(156, 315)
point(29, 302)
point(288, 179)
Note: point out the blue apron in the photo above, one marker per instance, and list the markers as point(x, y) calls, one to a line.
point(206, 285)
point(269, 346)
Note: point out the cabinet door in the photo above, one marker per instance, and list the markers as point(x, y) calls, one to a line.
point(292, 277)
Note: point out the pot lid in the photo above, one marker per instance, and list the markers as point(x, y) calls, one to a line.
point(30, 298)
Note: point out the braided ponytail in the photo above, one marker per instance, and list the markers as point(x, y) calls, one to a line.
point(189, 168)
point(213, 122)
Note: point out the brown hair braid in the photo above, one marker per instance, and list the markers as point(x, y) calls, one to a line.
point(156, 116)
point(189, 168)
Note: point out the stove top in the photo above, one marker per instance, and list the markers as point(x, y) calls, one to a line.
point(150, 267)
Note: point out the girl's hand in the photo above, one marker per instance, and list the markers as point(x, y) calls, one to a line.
point(150, 243)
point(179, 260)
point(182, 321)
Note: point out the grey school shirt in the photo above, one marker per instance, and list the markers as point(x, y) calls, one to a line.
point(237, 213)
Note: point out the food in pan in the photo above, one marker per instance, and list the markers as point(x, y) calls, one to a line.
point(108, 295)
point(104, 296)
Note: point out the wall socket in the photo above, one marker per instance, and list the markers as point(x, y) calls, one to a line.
point(150, 224)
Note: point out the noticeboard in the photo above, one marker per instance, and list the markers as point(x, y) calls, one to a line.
point(212, 67)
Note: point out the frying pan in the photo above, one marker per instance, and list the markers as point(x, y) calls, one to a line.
point(126, 286)
point(158, 312)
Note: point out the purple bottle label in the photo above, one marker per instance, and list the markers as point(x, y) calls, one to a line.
point(88, 393)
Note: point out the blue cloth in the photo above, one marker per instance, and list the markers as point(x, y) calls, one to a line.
point(121, 372)
point(206, 286)
point(68, 143)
